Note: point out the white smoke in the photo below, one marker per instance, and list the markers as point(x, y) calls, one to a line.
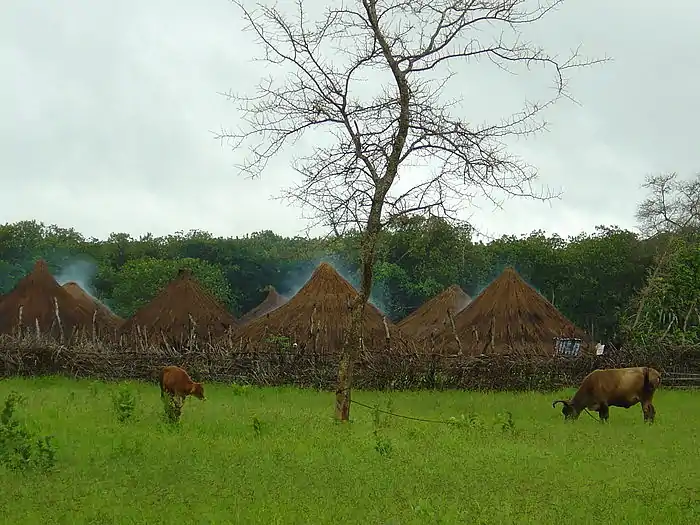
point(81, 272)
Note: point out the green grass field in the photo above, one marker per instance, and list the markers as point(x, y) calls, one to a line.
point(296, 465)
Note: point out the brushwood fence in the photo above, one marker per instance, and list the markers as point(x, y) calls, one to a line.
point(376, 371)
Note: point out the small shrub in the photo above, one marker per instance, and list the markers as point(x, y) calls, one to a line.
point(94, 388)
point(124, 402)
point(505, 421)
point(282, 342)
point(172, 409)
point(471, 420)
point(19, 448)
point(382, 444)
point(239, 390)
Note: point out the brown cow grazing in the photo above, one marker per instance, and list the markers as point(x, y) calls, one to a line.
point(614, 387)
point(176, 382)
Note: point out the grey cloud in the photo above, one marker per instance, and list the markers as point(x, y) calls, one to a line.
point(107, 112)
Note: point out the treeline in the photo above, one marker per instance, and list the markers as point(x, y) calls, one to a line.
point(605, 282)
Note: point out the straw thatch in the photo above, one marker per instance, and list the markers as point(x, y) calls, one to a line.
point(272, 301)
point(181, 309)
point(434, 315)
point(318, 317)
point(508, 317)
point(39, 301)
point(92, 304)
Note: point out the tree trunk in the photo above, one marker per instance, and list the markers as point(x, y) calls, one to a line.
point(351, 349)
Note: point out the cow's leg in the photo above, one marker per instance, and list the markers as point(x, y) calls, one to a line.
point(604, 413)
point(649, 411)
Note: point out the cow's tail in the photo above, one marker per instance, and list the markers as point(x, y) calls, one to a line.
point(648, 387)
point(162, 385)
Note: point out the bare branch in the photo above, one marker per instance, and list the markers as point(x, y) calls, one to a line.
point(673, 205)
point(368, 137)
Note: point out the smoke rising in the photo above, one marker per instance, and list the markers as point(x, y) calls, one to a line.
point(81, 271)
point(297, 280)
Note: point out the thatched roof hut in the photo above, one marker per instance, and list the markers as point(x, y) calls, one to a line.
point(317, 319)
point(434, 315)
point(272, 301)
point(181, 308)
point(38, 299)
point(92, 304)
point(508, 317)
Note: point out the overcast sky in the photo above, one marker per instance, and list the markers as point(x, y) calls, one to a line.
point(107, 110)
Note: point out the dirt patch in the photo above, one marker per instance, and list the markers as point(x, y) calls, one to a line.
point(317, 319)
point(508, 317)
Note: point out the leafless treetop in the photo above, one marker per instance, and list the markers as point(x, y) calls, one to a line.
point(322, 68)
point(673, 205)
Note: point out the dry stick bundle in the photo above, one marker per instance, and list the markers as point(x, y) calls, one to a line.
point(670, 324)
point(387, 335)
point(454, 331)
point(58, 320)
point(19, 325)
point(94, 325)
point(192, 332)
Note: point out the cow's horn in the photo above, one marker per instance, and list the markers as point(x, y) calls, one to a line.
point(560, 401)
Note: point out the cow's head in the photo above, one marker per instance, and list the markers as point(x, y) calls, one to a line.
point(567, 409)
point(198, 390)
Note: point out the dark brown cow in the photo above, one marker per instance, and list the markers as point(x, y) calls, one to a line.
point(177, 383)
point(614, 387)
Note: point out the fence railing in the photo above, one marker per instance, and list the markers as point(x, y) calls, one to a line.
point(681, 379)
point(372, 370)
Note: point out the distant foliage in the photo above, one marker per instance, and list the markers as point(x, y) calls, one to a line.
point(668, 308)
point(592, 278)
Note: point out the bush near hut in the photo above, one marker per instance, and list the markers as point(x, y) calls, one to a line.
point(374, 371)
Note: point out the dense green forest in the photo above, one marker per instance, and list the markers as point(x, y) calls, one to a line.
point(606, 281)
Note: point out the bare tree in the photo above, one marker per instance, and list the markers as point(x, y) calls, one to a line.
point(348, 179)
point(672, 206)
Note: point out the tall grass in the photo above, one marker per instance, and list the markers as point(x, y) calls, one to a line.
point(255, 455)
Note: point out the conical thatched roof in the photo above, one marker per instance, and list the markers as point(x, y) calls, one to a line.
point(432, 316)
point(168, 314)
point(317, 318)
point(508, 317)
point(92, 304)
point(35, 294)
point(273, 301)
